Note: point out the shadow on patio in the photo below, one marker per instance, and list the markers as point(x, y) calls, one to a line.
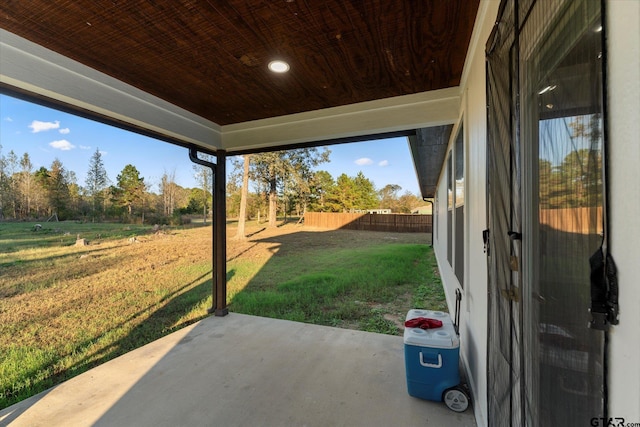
point(243, 370)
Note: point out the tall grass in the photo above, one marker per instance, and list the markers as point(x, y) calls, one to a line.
point(341, 287)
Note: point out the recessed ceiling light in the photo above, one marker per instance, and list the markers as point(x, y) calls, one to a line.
point(278, 66)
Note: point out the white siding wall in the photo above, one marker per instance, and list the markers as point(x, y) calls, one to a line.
point(473, 319)
point(623, 18)
point(474, 328)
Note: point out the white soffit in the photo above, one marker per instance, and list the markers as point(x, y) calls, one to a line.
point(31, 68)
point(400, 113)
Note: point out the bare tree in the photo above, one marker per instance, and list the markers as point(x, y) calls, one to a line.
point(243, 198)
point(26, 184)
point(11, 169)
point(169, 191)
point(389, 197)
point(205, 178)
point(3, 183)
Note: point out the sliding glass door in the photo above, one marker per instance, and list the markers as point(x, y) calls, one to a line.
point(562, 139)
point(546, 192)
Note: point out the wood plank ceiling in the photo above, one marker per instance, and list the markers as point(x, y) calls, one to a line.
point(210, 57)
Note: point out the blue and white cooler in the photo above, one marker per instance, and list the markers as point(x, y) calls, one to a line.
point(431, 361)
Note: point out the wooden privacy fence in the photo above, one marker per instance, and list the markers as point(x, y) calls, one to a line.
point(403, 223)
point(573, 220)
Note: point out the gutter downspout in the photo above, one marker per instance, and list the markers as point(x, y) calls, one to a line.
point(425, 199)
point(219, 232)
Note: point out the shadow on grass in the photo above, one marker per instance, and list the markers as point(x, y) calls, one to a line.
point(173, 311)
point(12, 271)
point(51, 258)
point(163, 321)
point(17, 236)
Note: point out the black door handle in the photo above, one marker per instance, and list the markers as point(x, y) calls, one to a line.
point(514, 235)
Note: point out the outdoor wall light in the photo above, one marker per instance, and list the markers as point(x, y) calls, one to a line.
point(278, 66)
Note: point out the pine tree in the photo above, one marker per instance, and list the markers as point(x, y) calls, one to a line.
point(58, 190)
point(367, 197)
point(130, 189)
point(322, 185)
point(97, 181)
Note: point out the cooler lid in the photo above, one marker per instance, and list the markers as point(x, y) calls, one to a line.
point(435, 338)
point(443, 337)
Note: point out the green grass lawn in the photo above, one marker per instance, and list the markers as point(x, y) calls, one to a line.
point(342, 287)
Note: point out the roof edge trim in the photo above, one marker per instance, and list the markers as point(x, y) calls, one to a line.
point(32, 69)
point(367, 118)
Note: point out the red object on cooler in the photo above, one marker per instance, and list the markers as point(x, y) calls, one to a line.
point(423, 323)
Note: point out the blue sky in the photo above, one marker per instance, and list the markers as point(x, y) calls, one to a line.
point(46, 133)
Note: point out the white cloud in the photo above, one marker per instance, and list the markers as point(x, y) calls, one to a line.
point(103, 153)
point(64, 131)
point(363, 161)
point(62, 144)
point(8, 119)
point(384, 163)
point(85, 147)
point(38, 126)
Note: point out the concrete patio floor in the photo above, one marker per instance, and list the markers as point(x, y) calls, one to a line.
point(243, 370)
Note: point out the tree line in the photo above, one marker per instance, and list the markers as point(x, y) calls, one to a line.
point(260, 186)
point(27, 193)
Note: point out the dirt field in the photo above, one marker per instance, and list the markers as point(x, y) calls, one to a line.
point(260, 241)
